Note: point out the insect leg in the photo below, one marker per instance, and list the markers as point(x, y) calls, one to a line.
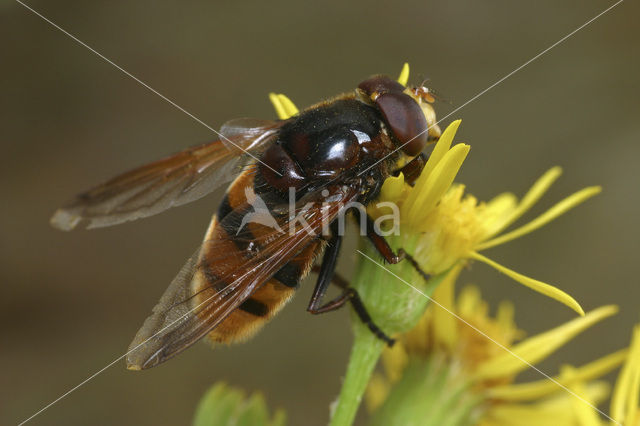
point(412, 169)
point(326, 276)
point(385, 250)
point(351, 295)
point(327, 270)
point(337, 279)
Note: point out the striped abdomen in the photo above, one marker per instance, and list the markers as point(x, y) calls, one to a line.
point(226, 260)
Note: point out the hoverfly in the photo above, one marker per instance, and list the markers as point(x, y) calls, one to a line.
point(332, 154)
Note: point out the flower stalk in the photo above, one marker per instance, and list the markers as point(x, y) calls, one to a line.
point(365, 353)
point(394, 306)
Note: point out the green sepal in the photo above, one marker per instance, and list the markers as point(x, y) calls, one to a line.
point(225, 406)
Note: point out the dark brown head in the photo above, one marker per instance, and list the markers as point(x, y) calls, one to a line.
point(407, 112)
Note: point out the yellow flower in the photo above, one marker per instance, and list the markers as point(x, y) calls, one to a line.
point(477, 357)
point(625, 402)
point(445, 226)
point(284, 107)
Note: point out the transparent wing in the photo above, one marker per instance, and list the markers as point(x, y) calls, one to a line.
point(175, 180)
point(226, 270)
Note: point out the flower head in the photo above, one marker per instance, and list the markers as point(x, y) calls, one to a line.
point(586, 393)
point(471, 358)
point(444, 225)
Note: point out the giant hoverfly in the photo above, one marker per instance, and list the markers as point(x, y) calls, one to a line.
point(329, 156)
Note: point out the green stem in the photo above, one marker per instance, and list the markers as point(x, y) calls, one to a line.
point(364, 357)
point(394, 306)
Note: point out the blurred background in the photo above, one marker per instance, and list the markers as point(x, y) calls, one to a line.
point(71, 302)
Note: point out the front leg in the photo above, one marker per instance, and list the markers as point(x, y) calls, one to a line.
point(385, 250)
point(325, 275)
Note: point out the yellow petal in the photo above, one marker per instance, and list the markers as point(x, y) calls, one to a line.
point(392, 187)
point(502, 202)
point(404, 74)
point(277, 105)
point(528, 415)
point(419, 338)
point(550, 411)
point(546, 217)
point(504, 318)
point(582, 406)
point(377, 391)
point(624, 402)
point(634, 358)
point(540, 388)
point(394, 361)
point(497, 212)
point(537, 348)
point(428, 192)
point(539, 286)
point(445, 326)
point(532, 196)
point(289, 107)
point(442, 147)
point(469, 301)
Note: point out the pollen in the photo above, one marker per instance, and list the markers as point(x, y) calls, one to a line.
point(450, 231)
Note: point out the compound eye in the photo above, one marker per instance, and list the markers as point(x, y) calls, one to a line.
point(406, 121)
point(380, 84)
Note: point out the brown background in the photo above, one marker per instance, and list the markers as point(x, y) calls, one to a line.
point(71, 302)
